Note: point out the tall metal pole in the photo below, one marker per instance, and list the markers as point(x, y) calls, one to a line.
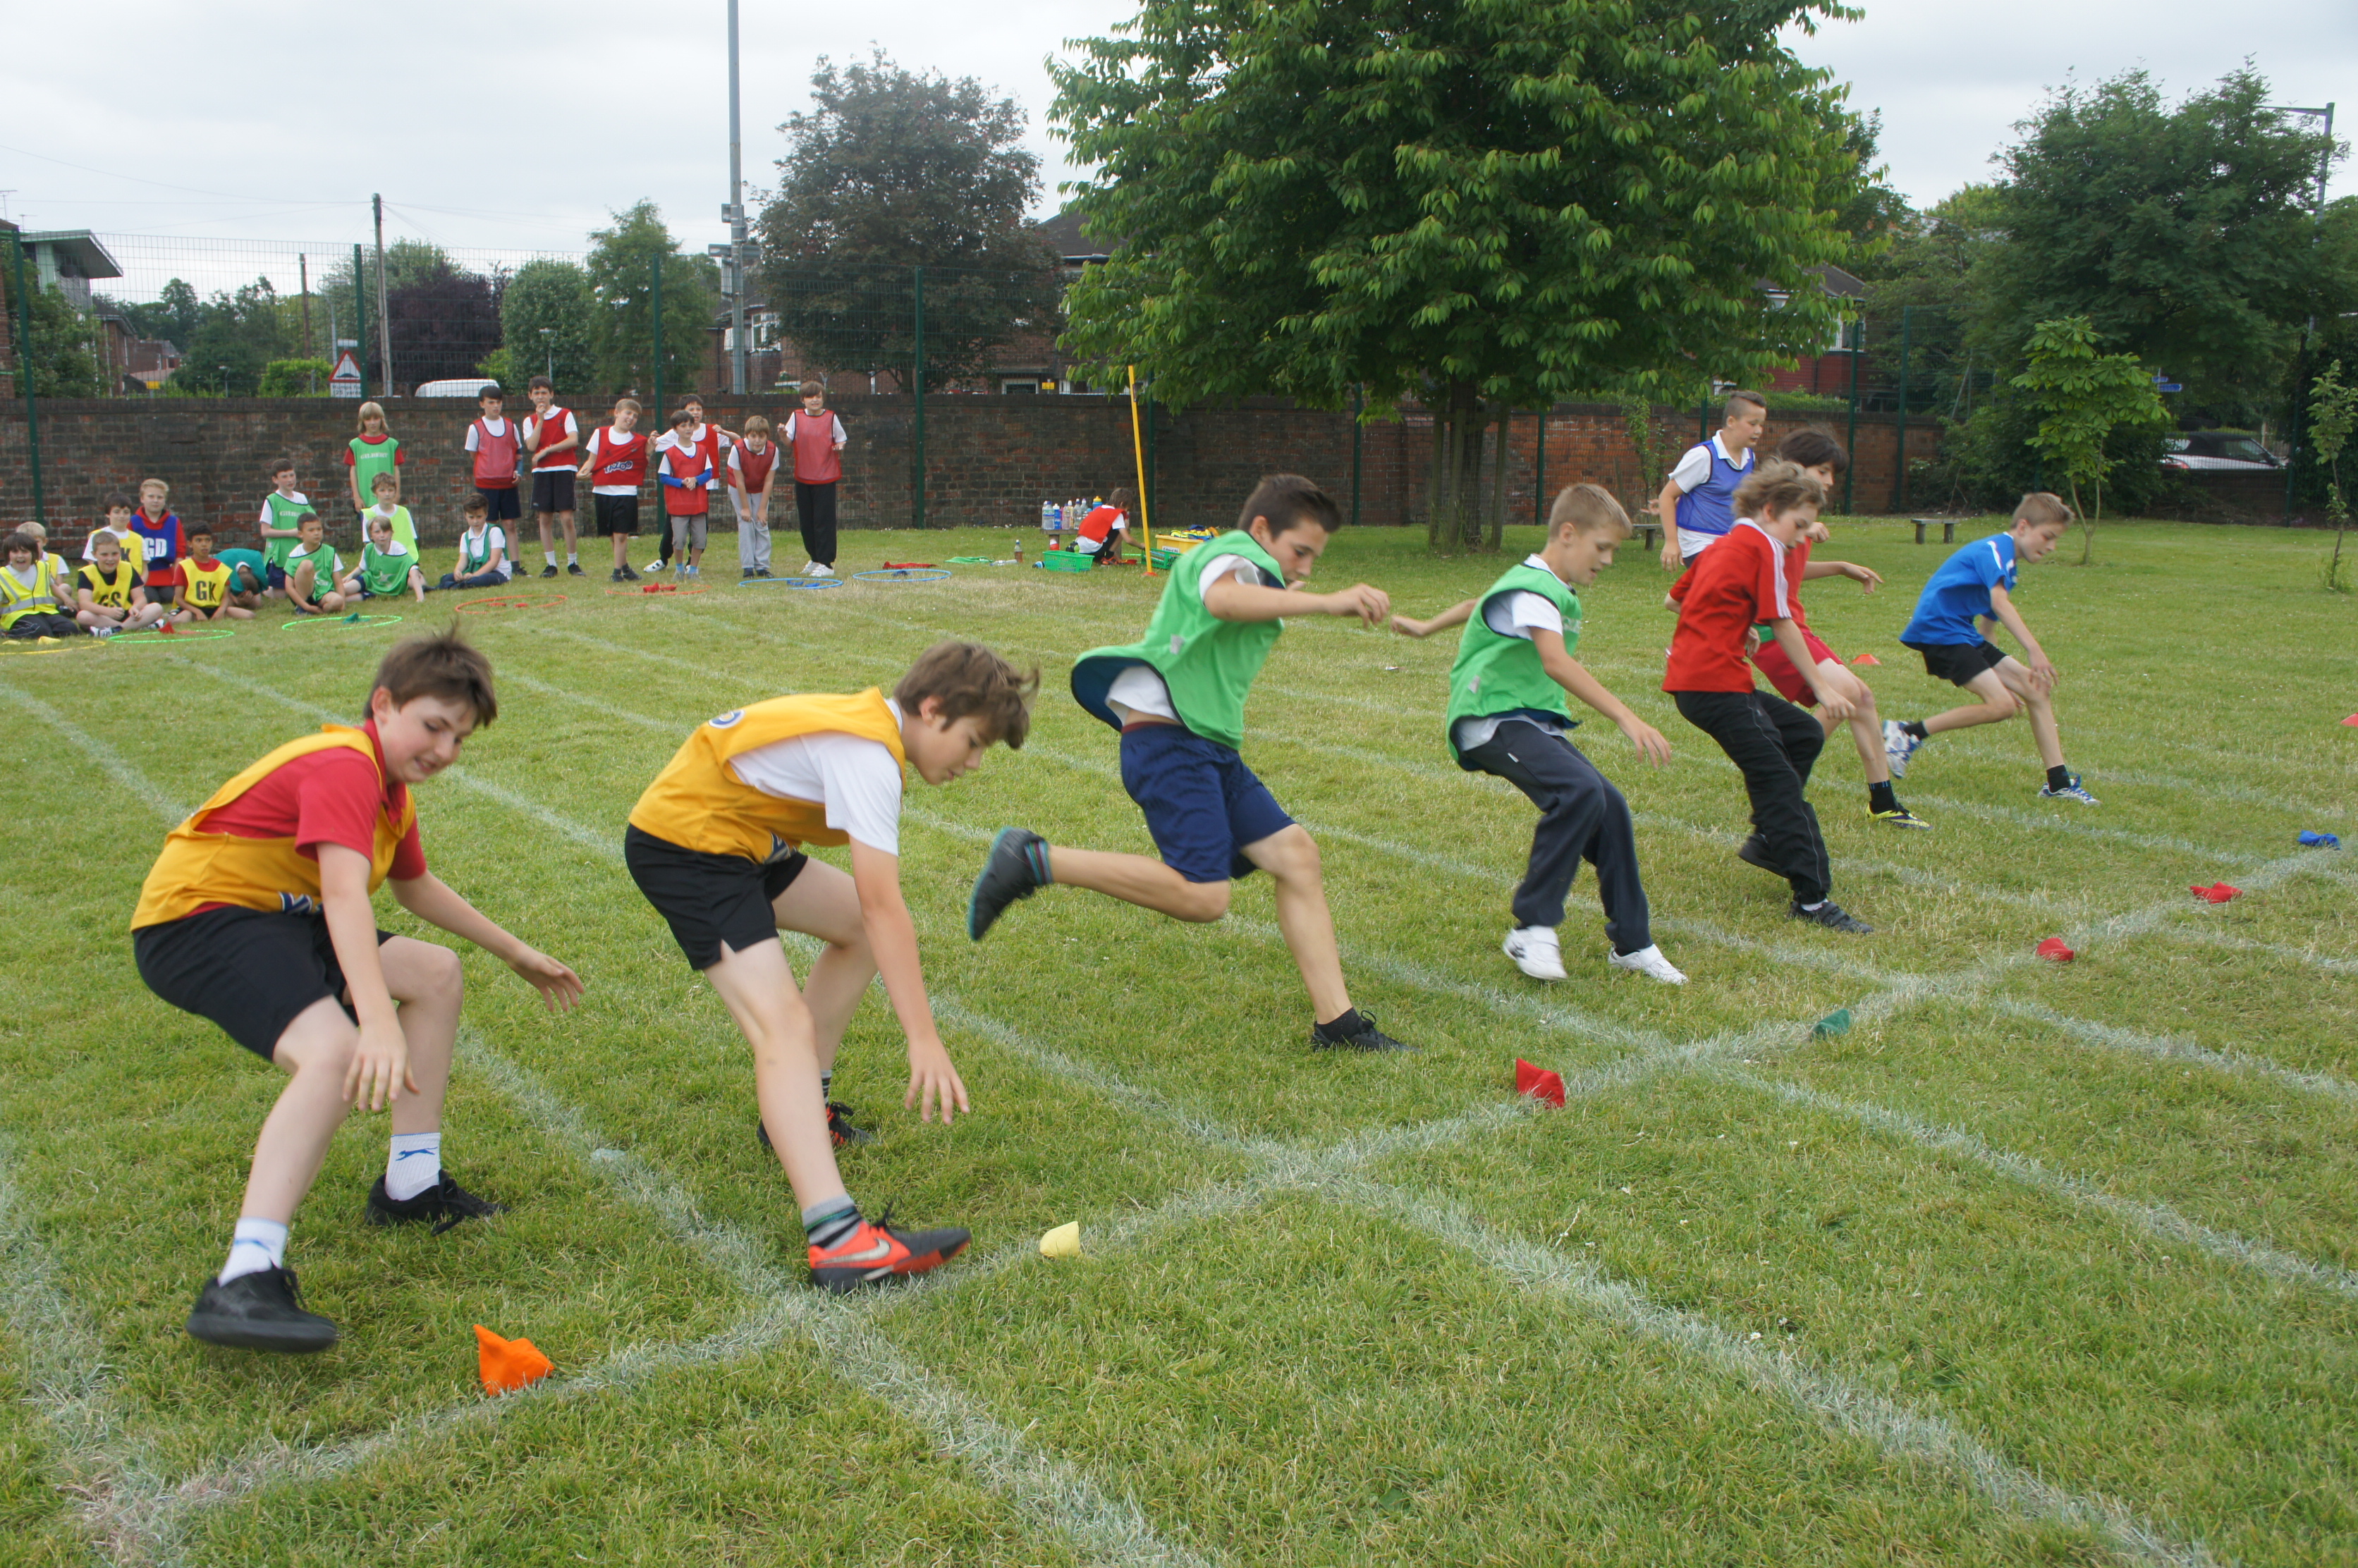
point(736, 223)
point(655, 295)
point(2293, 422)
point(1900, 451)
point(918, 386)
point(25, 372)
point(302, 270)
point(383, 317)
point(360, 315)
point(1850, 442)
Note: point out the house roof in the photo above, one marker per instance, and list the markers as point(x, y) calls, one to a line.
point(80, 248)
point(1062, 232)
point(1840, 284)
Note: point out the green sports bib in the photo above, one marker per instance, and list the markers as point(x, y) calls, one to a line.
point(1498, 674)
point(1207, 664)
point(282, 511)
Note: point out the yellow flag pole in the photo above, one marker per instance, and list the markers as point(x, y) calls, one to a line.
point(1138, 450)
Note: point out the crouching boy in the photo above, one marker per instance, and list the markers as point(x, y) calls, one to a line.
point(716, 845)
point(256, 916)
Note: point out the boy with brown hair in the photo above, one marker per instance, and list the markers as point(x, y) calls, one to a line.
point(256, 916)
point(1697, 503)
point(276, 524)
point(715, 843)
point(108, 598)
point(752, 469)
point(816, 437)
point(32, 586)
point(616, 465)
point(206, 591)
point(1507, 718)
point(551, 437)
point(1177, 698)
point(1970, 595)
point(314, 569)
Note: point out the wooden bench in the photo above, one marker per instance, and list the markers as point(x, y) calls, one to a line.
point(1948, 529)
point(1649, 534)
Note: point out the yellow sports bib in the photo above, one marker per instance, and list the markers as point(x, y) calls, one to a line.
point(697, 803)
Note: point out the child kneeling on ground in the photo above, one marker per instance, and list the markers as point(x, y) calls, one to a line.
point(1507, 717)
point(715, 843)
point(256, 916)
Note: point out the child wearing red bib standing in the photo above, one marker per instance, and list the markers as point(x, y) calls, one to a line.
point(817, 440)
point(256, 916)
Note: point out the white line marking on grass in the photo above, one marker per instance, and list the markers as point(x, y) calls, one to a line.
point(2208, 938)
point(2157, 843)
point(99, 751)
point(2175, 1048)
point(2155, 1218)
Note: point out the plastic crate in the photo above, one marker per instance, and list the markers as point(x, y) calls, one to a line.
point(1067, 561)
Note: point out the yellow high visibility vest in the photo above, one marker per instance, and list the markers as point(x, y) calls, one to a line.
point(697, 803)
point(16, 601)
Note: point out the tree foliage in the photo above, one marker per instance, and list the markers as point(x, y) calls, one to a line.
point(545, 316)
point(295, 378)
point(894, 169)
point(2081, 396)
point(621, 277)
point(64, 350)
point(1486, 204)
point(238, 332)
point(2332, 410)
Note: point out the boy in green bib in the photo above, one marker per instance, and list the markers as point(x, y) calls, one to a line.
point(1178, 698)
point(386, 571)
point(1507, 717)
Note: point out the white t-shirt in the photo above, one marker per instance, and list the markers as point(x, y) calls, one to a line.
point(834, 426)
point(1138, 692)
point(133, 548)
point(541, 462)
point(1695, 466)
point(1511, 615)
point(597, 455)
point(475, 551)
point(854, 777)
point(475, 431)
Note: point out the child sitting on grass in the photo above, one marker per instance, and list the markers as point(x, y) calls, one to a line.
point(256, 916)
point(312, 569)
point(715, 844)
point(1971, 595)
point(1507, 717)
point(107, 592)
point(29, 587)
point(385, 569)
point(482, 551)
point(388, 506)
point(205, 593)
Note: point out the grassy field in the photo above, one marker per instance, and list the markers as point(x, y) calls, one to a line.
point(2034, 1264)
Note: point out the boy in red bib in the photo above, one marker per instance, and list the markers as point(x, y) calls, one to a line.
point(615, 468)
point(685, 470)
point(256, 916)
point(497, 449)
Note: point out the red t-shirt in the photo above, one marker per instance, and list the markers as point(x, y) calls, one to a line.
point(1100, 522)
point(1735, 585)
point(332, 796)
point(1795, 560)
point(352, 462)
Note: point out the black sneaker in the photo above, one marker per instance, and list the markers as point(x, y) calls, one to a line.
point(616, 575)
point(259, 1311)
point(839, 1129)
point(573, 569)
point(1367, 1038)
point(1016, 868)
point(1830, 915)
point(748, 574)
point(445, 1201)
point(1753, 851)
point(630, 573)
point(549, 570)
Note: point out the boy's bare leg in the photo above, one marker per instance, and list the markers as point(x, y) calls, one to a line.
point(1134, 878)
point(571, 542)
point(1865, 724)
point(823, 902)
point(548, 536)
point(1290, 856)
point(425, 979)
point(1997, 706)
point(2044, 733)
point(758, 989)
point(621, 544)
point(315, 1052)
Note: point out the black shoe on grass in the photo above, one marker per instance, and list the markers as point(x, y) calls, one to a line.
point(573, 569)
point(259, 1311)
point(840, 1132)
point(549, 570)
point(445, 1202)
point(1753, 851)
point(1830, 915)
point(1016, 867)
point(616, 576)
point(1366, 1037)
point(630, 573)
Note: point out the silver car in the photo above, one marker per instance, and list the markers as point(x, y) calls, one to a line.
point(2216, 452)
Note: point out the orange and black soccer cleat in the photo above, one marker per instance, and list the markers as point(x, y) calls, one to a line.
point(875, 1253)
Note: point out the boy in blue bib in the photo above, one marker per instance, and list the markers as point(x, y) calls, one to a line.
point(1698, 501)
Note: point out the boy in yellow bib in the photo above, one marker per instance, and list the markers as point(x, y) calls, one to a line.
point(716, 845)
point(107, 595)
point(256, 916)
point(206, 593)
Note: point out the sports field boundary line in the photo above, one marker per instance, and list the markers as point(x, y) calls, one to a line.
point(108, 759)
point(2203, 936)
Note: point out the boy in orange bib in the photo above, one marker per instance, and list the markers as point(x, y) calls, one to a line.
point(716, 845)
point(256, 916)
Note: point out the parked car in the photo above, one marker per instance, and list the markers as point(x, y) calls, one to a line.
point(2216, 452)
point(458, 386)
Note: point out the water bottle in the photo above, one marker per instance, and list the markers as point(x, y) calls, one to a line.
point(1048, 518)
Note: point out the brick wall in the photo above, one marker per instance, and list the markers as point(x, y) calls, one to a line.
point(990, 459)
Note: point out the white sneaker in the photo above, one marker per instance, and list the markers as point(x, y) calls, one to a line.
point(1648, 961)
point(819, 568)
point(686, 571)
point(104, 632)
point(655, 566)
point(1535, 951)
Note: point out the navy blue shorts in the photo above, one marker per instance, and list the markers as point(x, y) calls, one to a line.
point(1202, 804)
point(277, 575)
point(499, 504)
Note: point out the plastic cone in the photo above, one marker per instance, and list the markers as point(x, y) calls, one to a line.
point(2217, 893)
point(1868, 659)
point(1539, 1084)
point(2351, 722)
point(2055, 952)
point(508, 1365)
point(1065, 1241)
point(1835, 1022)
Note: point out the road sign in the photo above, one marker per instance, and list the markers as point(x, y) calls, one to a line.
point(346, 380)
point(2159, 384)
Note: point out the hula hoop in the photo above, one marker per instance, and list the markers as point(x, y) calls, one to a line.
point(506, 601)
point(137, 637)
point(792, 582)
point(355, 620)
point(63, 647)
point(905, 574)
point(659, 589)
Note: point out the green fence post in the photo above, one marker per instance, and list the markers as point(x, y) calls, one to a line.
point(25, 375)
point(360, 318)
point(654, 297)
point(1539, 477)
point(918, 355)
point(1154, 490)
point(1900, 445)
point(1358, 402)
point(1850, 442)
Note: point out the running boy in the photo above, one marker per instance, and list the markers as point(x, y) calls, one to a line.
point(1697, 505)
point(714, 845)
point(686, 473)
point(276, 524)
point(314, 569)
point(1739, 584)
point(498, 454)
point(752, 469)
point(206, 593)
point(551, 437)
point(1178, 699)
point(108, 598)
point(1971, 595)
point(816, 438)
point(1507, 717)
point(256, 916)
point(615, 466)
point(385, 568)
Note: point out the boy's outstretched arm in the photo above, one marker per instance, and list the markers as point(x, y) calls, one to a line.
point(1568, 673)
point(2001, 610)
point(893, 937)
point(1866, 578)
point(1245, 601)
point(1456, 615)
point(1831, 703)
point(432, 901)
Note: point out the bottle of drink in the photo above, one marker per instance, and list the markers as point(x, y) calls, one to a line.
point(1048, 519)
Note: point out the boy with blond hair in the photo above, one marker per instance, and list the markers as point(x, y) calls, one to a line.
point(108, 598)
point(753, 469)
point(615, 466)
point(1971, 595)
point(1697, 503)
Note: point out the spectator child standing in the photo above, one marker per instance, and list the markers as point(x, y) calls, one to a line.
point(386, 569)
point(1697, 503)
point(29, 587)
point(108, 596)
point(498, 457)
point(686, 473)
point(313, 571)
point(157, 529)
point(752, 469)
point(615, 466)
point(551, 435)
point(276, 524)
point(371, 452)
point(206, 591)
point(482, 551)
point(717, 443)
point(118, 523)
point(816, 438)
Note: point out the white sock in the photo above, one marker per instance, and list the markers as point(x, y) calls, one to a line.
point(413, 1164)
point(572, 557)
point(254, 1245)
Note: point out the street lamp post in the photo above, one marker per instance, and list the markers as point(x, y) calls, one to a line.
point(2293, 425)
point(548, 353)
point(735, 213)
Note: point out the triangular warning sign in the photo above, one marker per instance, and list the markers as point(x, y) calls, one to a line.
point(347, 368)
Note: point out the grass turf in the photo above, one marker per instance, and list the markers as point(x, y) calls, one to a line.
point(2033, 1264)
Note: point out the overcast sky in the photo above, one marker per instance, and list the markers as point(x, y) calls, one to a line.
point(514, 127)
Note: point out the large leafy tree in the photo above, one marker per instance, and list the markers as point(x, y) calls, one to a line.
point(64, 350)
point(544, 314)
point(891, 170)
point(622, 272)
point(238, 334)
point(1487, 204)
point(2080, 398)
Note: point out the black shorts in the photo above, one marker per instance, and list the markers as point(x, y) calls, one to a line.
point(253, 971)
point(709, 900)
point(502, 504)
point(616, 513)
point(552, 490)
point(1959, 663)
